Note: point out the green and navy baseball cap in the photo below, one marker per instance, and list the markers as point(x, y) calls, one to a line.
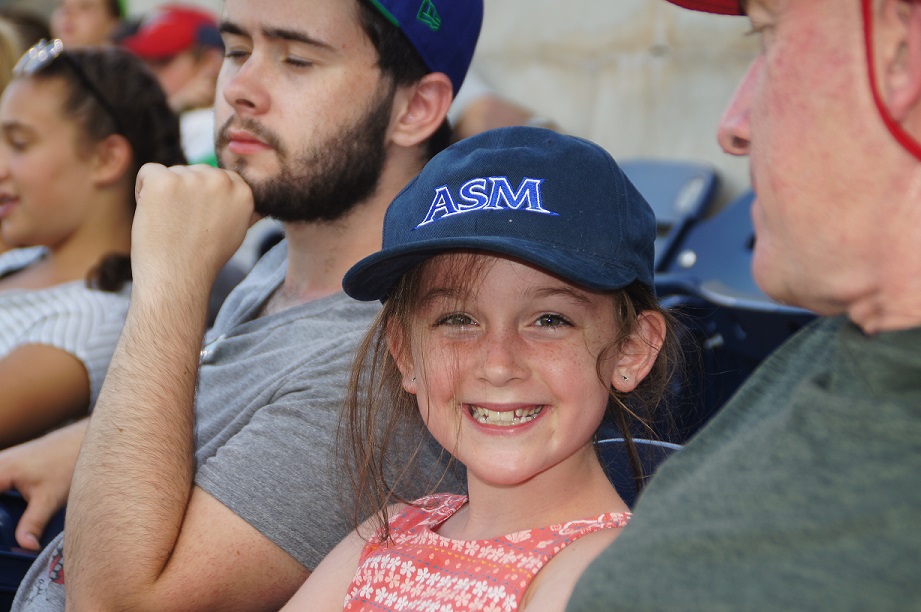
point(443, 32)
point(558, 202)
point(720, 7)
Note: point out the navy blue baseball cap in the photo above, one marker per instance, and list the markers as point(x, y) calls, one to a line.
point(558, 202)
point(443, 32)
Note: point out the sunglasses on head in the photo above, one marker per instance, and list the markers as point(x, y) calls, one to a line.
point(43, 53)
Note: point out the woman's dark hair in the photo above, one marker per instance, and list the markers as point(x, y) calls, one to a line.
point(133, 106)
point(380, 415)
point(399, 60)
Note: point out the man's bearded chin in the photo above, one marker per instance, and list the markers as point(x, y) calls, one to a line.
point(326, 182)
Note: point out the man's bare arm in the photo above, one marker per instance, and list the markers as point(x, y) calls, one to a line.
point(139, 535)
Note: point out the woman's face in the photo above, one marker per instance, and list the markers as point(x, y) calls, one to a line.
point(505, 371)
point(45, 177)
point(83, 23)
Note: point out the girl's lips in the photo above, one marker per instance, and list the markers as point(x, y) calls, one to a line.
point(504, 416)
point(6, 205)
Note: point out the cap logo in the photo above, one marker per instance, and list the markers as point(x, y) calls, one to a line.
point(492, 193)
point(429, 15)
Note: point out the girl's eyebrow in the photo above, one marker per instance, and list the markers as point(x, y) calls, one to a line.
point(436, 294)
point(12, 126)
point(565, 292)
point(459, 295)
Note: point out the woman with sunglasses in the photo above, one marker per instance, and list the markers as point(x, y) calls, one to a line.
point(75, 128)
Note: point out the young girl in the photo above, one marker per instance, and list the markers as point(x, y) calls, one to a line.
point(516, 276)
point(76, 127)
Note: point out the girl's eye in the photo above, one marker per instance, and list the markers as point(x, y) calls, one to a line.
point(16, 144)
point(457, 319)
point(552, 320)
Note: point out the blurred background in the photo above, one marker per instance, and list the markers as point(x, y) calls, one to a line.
point(640, 77)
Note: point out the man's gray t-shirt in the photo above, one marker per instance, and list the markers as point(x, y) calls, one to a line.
point(267, 408)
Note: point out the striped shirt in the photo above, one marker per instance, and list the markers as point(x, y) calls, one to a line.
point(83, 322)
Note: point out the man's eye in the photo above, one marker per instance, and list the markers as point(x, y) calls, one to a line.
point(298, 62)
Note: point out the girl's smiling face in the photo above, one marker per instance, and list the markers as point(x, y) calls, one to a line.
point(506, 368)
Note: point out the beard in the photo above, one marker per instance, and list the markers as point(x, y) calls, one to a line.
point(323, 182)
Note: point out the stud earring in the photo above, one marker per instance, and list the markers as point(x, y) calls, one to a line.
point(626, 378)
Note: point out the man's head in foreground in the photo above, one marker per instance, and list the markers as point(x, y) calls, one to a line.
point(316, 102)
point(829, 116)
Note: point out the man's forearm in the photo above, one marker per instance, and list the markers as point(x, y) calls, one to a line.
point(135, 471)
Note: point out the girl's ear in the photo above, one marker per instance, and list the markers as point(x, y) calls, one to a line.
point(402, 355)
point(421, 109)
point(112, 160)
point(638, 352)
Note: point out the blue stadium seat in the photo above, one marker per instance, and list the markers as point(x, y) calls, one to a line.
point(733, 324)
point(615, 459)
point(679, 192)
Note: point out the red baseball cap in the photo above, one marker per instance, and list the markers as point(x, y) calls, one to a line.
point(172, 29)
point(720, 7)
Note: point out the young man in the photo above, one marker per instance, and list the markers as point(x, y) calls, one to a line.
point(325, 112)
point(803, 493)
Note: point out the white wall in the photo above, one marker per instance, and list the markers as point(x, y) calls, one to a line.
point(640, 77)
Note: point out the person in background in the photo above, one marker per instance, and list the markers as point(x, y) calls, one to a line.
point(31, 27)
point(221, 494)
point(76, 126)
point(509, 331)
point(10, 51)
point(478, 108)
point(182, 46)
point(86, 23)
point(803, 492)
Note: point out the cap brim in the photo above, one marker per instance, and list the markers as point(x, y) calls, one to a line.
point(719, 7)
point(373, 277)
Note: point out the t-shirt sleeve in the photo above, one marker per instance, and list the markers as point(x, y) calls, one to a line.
point(87, 325)
point(276, 472)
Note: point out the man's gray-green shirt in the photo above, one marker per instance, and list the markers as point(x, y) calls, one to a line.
point(803, 493)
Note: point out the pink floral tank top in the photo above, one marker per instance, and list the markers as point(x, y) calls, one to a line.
point(422, 570)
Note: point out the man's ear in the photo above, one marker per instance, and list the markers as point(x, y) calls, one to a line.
point(639, 352)
point(402, 355)
point(897, 39)
point(421, 109)
point(112, 159)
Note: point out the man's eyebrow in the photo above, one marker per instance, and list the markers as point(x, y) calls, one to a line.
point(228, 27)
point(295, 36)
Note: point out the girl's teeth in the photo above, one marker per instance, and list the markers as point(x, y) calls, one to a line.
point(504, 418)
